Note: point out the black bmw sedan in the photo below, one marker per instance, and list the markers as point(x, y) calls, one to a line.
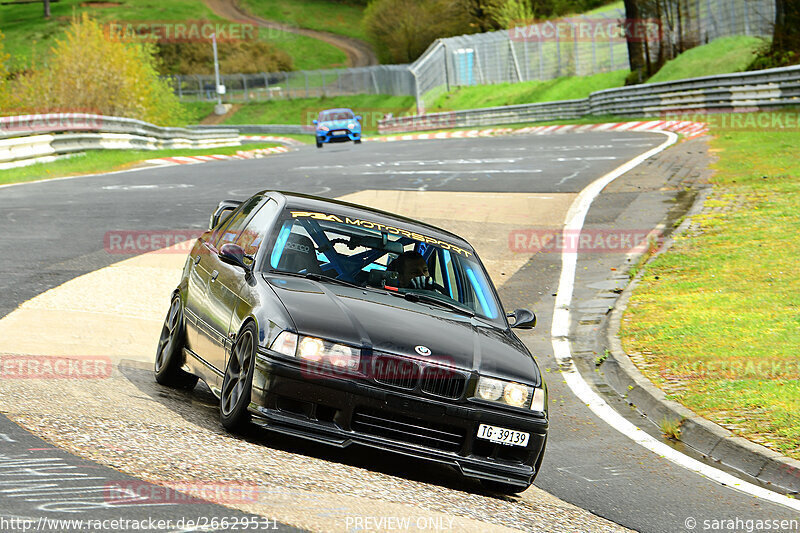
point(348, 325)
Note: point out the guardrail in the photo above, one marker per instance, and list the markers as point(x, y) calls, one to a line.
point(28, 139)
point(748, 91)
point(278, 129)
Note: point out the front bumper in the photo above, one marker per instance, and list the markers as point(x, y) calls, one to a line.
point(301, 402)
point(339, 135)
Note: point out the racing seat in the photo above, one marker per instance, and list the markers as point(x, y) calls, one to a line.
point(299, 255)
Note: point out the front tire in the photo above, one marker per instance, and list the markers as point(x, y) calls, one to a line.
point(357, 141)
point(238, 381)
point(169, 354)
point(319, 143)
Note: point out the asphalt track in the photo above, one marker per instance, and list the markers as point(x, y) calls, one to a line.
point(54, 231)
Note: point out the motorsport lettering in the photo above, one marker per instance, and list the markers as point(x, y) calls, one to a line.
point(382, 227)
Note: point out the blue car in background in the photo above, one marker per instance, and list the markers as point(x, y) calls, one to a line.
point(338, 125)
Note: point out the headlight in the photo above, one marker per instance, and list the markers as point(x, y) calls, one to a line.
point(324, 128)
point(285, 343)
point(509, 393)
point(490, 389)
point(315, 350)
point(516, 394)
point(311, 349)
point(351, 126)
point(343, 357)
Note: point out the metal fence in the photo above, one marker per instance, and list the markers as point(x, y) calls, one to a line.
point(380, 79)
point(575, 46)
point(720, 18)
point(747, 91)
point(578, 46)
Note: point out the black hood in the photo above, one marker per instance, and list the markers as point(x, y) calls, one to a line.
point(391, 324)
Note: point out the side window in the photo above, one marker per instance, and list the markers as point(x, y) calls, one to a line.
point(255, 232)
point(230, 231)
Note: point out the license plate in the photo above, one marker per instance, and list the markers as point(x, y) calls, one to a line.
point(500, 435)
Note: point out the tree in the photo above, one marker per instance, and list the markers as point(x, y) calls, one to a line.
point(786, 34)
point(90, 71)
point(401, 30)
point(510, 13)
point(784, 50)
point(46, 8)
point(635, 45)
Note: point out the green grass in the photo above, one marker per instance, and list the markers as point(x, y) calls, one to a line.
point(197, 111)
point(323, 15)
point(566, 88)
point(304, 110)
point(109, 160)
point(307, 53)
point(28, 35)
point(607, 9)
point(716, 318)
point(721, 56)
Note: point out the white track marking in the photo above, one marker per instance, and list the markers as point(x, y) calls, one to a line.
point(442, 172)
point(563, 355)
point(17, 184)
point(598, 158)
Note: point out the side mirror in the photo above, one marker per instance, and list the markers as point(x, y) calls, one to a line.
point(234, 255)
point(523, 319)
point(358, 118)
point(315, 122)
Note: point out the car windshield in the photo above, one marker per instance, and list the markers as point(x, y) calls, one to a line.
point(371, 254)
point(327, 116)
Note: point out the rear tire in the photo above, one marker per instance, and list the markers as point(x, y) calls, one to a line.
point(234, 398)
point(169, 354)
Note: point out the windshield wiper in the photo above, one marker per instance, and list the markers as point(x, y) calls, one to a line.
point(318, 277)
point(322, 277)
point(417, 297)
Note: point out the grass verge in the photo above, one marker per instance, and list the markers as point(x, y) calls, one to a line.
point(566, 88)
point(28, 35)
point(108, 161)
point(303, 110)
point(307, 53)
point(721, 56)
point(716, 318)
point(321, 15)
